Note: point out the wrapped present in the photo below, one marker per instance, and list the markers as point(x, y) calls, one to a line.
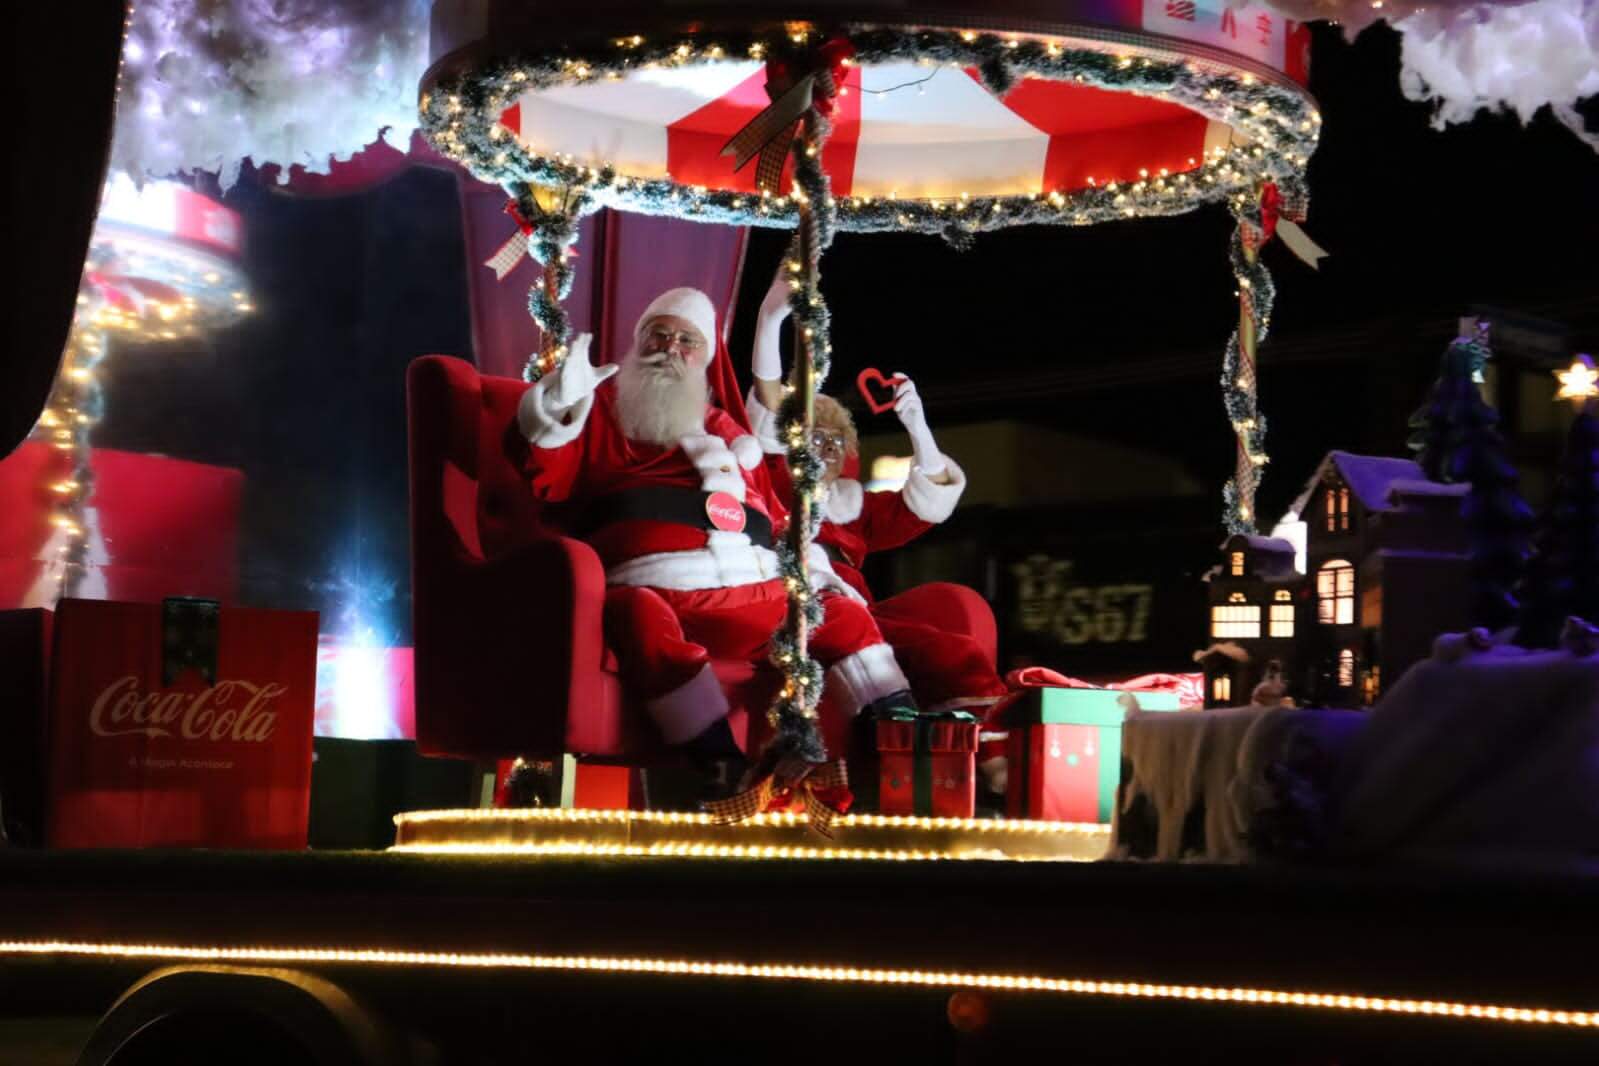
point(180, 724)
point(1063, 750)
point(917, 763)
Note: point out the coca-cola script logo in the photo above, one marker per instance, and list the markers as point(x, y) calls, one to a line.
point(228, 710)
point(725, 512)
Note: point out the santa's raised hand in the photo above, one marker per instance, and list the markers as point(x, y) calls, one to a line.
point(766, 363)
point(577, 378)
point(908, 406)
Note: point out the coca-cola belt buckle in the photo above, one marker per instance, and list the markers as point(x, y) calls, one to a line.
point(725, 512)
point(189, 638)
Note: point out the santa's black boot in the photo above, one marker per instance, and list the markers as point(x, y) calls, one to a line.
point(716, 756)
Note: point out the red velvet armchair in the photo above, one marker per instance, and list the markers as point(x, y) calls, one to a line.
point(510, 654)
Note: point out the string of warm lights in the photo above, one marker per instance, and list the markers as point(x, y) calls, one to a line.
point(692, 849)
point(767, 820)
point(1239, 380)
point(1274, 123)
point(136, 290)
point(1443, 1009)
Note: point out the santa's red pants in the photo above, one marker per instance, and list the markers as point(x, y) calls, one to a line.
point(664, 640)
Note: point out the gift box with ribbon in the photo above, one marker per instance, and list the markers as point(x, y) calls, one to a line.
point(1063, 750)
point(917, 763)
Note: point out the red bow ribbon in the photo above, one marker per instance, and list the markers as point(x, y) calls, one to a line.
point(1271, 206)
point(823, 793)
point(794, 85)
point(1273, 223)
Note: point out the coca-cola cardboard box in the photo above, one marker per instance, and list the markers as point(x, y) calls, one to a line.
point(180, 725)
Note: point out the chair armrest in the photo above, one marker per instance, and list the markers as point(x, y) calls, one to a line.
point(946, 605)
point(507, 648)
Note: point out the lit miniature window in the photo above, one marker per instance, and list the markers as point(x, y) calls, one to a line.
point(1238, 564)
point(1343, 508)
point(1346, 668)
point(1332, 510)
point(1235, 620)
point(1221, 688)
point(1282, 619)
point(1335, 593)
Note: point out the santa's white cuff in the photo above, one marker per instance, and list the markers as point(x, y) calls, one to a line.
point(763, 423)
point(930, 501)
point(868, 675)
point(690, 709)
point(545, 424)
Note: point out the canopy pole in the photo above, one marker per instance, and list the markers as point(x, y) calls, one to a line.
point(1239, 379)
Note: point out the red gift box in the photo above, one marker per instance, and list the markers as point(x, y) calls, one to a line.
point(179, 724)
point(924, 764)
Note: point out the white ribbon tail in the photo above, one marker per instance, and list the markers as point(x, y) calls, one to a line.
point(1299, 242)
point(510, 254)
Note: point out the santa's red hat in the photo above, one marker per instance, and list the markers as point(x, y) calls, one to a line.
point(695, 308)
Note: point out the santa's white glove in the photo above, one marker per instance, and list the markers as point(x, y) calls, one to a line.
point(908, 406)
point(767, 363)
point(577, 378)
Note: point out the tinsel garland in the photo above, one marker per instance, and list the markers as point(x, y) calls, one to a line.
point(1238, 380)
point(553, 230)
point(793, 712)
point(460, 116)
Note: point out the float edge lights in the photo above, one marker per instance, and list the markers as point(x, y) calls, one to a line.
point(844, 974)
point(779, 818)
point(460, 116)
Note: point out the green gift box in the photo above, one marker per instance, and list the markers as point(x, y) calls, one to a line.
point(1064, 750)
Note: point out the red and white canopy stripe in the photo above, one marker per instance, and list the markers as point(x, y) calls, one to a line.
point(899, 129)
point(907, 130)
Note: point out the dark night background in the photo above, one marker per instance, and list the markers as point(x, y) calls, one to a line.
point(1114, 333)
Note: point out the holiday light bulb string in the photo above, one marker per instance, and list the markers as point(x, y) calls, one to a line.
point(110, 309)
point(460, 117)
point(868, 975)
point(1239, 376)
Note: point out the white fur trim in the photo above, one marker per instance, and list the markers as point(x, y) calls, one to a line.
point(748, 451)
point(869, 674)
point(763, 422)
point(726, 561)
point(718, 467)
point(547, 426)
point(845, 498)
point(690, 709)
point(824, 578)
point(931, 502)
point(691, 305)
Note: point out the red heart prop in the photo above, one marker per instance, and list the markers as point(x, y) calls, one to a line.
point(870, 377)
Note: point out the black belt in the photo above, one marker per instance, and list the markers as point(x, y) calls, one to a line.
point(672, 503)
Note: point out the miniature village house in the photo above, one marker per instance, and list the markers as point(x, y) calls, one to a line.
point(1384, 572)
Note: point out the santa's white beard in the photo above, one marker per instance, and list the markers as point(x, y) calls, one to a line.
point(660, 400)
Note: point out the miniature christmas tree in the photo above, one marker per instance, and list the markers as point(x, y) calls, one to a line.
point(1563, 575)
point(1456, 439)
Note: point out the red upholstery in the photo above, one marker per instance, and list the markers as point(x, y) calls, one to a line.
point(510, 655)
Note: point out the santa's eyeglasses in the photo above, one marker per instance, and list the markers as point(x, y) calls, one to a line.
point(826, 442)
point(662, 339)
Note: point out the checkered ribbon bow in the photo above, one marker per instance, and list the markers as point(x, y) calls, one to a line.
point(823, 792)
point(770, 133)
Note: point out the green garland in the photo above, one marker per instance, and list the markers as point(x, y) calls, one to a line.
point(549, 244)
point(460, 117)
point(793, 713)
point(1238, 392)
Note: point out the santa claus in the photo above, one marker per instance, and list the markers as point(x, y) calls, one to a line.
point(947, 670)
point(676, 500)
